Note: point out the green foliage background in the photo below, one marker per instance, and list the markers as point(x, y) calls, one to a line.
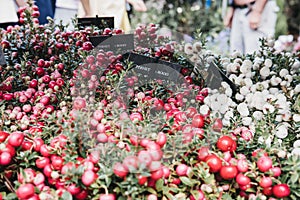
point(187, 16)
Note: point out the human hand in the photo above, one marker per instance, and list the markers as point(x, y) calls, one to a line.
point(228, 17)
point(138, 5)
point(254, 19)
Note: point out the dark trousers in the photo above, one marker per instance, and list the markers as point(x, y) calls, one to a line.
point(46, 9)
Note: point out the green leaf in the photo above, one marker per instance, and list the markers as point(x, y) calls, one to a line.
point(159, 185)
point(169, 196)
point(186, 181)
point(195, 194)
point(295, 178)
point(151, 190)
point(11, 196)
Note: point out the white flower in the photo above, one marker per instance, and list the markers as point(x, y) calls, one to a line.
point(297, 89)
point(228, 115)
point(243, 109)
point(273, 91)
point(257, 100)
point(281, 131)
point(258, 60)
point(249, 74)
point(287, 116)
point(236, 54)
point(261, 140)
point(253, 88)
point(228, 92)
point(296, 151)
point(246, 67)
point(188, 48)
point(248, 82)
point(216, 106)
point(258, 115)
point(266, 85)
point(283, 83)
point(259, 86)
point(296, 144)
point(204, 109)
point(296, 117)
point(210, 59)
point(246, 121)
point(233, 68)
point(222, 98)
point(244, 90)
point(226, 122)
point(223, 108)
point(228, 67)
point(232, 77)
point(270, 97)
point(239, 97)
point(197, 47)
point(283, 72)
point(239, 79)
point(268, 141)
point(278, 118)
point(265, 92)
point(275, 81)
point(296, 65)
point(225, 85)
point(256, 66)
point(268, 108)
point(289, 78)
point(281, 97)
point(281, 153)
point(268, 63)
point(264, 72)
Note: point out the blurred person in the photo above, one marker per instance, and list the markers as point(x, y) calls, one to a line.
point(65, 11)
point(53, 5)
point(46, 10)
point(8, 12)
point(249, 21)
point(116, 9)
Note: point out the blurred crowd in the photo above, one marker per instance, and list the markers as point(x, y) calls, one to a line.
point(66, 10)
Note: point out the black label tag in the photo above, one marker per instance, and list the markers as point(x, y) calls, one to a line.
point(2, 59)
point(117, 43)
point(100, 22)
point(215, 76)
point(150, 69)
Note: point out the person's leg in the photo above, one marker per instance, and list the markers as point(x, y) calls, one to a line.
point(53, 2)
point(236, 37)
point(266, 28)
point(45, 9)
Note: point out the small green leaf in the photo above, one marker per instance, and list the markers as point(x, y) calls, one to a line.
point(295, 178)
point(186, 181)
point(151, 190)
point(195, 194)
point(169, 196)
point(11, 196)
point(159, 185)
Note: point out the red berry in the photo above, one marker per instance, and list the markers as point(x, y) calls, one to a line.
point(281, 190)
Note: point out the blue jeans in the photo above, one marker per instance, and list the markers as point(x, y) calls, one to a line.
point(46, 10)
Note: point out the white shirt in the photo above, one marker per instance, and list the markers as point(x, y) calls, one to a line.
point(68, 4)
point(8, 12)
point(106, 8)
